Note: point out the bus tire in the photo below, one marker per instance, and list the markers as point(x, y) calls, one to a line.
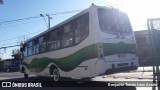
point(55, 74)
point(25, 75)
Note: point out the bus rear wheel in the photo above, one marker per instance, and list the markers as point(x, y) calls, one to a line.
point(55, 74)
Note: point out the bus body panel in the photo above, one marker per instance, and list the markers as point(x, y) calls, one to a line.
point(118, 46)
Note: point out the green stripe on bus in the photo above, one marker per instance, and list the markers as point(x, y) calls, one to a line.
point(67, 63)
point(114, 48)
point(70, 62)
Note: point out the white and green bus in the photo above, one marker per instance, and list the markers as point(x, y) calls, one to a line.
point(86, 45)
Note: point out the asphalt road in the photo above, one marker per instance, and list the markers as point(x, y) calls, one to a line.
point(19, 77)
point(142, 74)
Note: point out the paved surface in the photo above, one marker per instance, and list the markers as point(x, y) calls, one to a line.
point(145, 69)
point(142, 74)
point(10, 75)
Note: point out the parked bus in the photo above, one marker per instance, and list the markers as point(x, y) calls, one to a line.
point(86, 45)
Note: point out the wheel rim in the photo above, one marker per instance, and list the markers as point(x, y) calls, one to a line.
point(7, 70)
point(55, 75)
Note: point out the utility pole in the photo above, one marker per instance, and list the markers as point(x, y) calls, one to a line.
point(154, 46)
point(48, 21)
point(49, 18)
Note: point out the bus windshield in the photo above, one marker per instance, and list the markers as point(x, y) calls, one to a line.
point(123, 22)
point(114, 22)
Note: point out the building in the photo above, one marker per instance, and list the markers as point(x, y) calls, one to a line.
point(144, 50)
point(143, 43)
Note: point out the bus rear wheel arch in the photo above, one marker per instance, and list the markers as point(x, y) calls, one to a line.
point(55, 73)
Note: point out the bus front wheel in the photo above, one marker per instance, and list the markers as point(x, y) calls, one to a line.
point(55, 74)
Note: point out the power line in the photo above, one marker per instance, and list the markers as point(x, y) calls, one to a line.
point(20, 24)
point(20, 36)
point(39, 16)
point(9, 46)
point(10, 43)
point(32, 21)
point(23, 35)
point(29, 22)
point(19, 19)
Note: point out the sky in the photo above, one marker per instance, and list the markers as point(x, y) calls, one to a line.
point(11, 33)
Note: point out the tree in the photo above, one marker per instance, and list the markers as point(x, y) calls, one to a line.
point(1, 1)
point(16, 54)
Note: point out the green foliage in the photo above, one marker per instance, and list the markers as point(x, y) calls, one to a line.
point(16, 54)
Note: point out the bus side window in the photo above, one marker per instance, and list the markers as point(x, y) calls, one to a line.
point(80, 34)
point(77, 36)
point(35, 44)
point(30, 48)
point(42, 44)
point(67, 38)
point(37, 48)
point(25, 53)
point(54, 39)
point(81, 31)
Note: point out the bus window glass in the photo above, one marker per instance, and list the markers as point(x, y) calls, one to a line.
point(37, 49)
point(82, 28)
point(107, 21)
point(127, 24)
point(77, 36)
point(67, 38)
point(42, 44)
point(80, 22)
point(25, 53)
point(35, 46)
point(30, 48)
point(80, 34)
point(113, 21)
point(54, 38)
point(123, 22)
point(67, 28)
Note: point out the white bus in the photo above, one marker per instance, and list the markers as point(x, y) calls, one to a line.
point(86, 45)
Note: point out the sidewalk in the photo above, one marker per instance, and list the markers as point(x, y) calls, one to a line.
point(145, 69)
